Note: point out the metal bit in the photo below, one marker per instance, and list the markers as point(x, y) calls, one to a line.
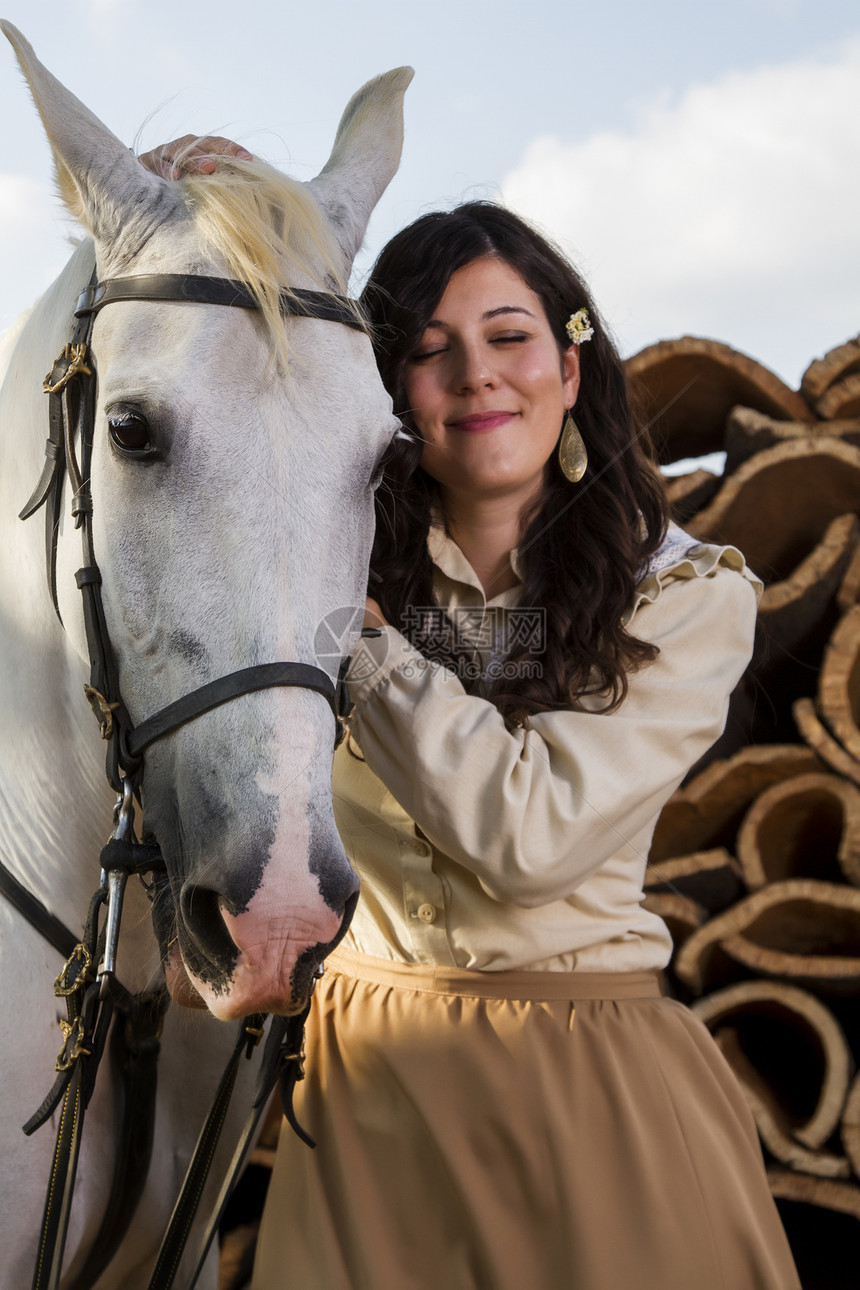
point(116, 880)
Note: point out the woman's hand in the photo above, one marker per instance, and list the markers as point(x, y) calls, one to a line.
point(191, 155)
point(373, 615)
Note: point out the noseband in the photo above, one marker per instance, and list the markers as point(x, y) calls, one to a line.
point(71, 385)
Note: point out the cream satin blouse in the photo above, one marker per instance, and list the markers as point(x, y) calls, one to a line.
point(480, 847)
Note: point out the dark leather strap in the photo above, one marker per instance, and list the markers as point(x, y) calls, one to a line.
point(246, 681)
point(52, 467)
point(104, 674)
point(282, 1061)
point(91, 1005)
point(88, 1018)
point(54, 931)
point(176, 1236)
point(295, 302)
point(46, 1275)
point(134, 1048)
point(62, 418)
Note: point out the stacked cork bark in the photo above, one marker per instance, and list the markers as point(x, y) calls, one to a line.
point(755, 863)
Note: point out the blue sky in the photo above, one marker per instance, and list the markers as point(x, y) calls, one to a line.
point(701, 162)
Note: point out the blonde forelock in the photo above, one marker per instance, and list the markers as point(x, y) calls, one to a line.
point(269, 231)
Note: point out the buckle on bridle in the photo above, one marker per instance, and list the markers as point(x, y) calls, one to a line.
point(73, 1044)
point(89, 298)
point(74, 356)
point(75, 973)
point(102, 710)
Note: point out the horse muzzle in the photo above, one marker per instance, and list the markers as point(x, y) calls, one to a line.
point(237, 957)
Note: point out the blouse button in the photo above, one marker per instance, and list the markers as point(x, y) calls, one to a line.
point(421, 848)
point(427, 913)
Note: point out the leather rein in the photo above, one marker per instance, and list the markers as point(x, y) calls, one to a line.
point(87, 981)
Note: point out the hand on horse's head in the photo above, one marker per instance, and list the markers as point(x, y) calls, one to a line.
point(191, 154)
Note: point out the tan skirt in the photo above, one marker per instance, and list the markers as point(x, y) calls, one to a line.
point(516, 1131)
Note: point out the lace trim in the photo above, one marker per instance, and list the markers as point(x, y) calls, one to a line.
point(675, 546)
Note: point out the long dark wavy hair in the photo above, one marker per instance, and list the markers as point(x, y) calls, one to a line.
point(583, 546)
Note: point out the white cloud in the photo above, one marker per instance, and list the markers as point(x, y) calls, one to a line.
point(733, 213)
point(103, 16)
point(101, 10)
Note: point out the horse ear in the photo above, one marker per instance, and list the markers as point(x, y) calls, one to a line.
point(365, 156)
point(100, 181)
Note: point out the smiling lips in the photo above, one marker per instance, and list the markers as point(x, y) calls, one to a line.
point(481, 422)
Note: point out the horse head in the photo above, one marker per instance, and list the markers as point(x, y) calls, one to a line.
point(233, 465)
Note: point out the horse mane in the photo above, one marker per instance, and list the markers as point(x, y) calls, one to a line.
point(269, 231)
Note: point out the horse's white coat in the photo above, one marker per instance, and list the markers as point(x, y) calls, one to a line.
point(228, 551)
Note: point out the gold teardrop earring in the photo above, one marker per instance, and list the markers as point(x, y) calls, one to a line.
point(572, 453)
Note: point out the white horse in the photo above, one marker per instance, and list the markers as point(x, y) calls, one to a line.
point(232, 475)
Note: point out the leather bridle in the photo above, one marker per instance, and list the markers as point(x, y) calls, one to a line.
point(71, 385)
point(91, 991)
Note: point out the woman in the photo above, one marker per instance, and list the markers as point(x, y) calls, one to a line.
point(500, 1095)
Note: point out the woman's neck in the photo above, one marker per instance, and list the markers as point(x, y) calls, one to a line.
point(486, 533)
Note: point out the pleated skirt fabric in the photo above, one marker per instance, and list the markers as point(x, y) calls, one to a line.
point(516, 1131)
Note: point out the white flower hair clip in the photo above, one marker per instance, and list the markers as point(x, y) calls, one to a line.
point(578, 327)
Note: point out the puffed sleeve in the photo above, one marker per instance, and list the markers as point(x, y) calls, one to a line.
point(533, 813)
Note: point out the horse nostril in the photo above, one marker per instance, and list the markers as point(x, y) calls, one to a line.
point(207, 946)
point(265, 952)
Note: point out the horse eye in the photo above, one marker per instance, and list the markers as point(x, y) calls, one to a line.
point(130, 432)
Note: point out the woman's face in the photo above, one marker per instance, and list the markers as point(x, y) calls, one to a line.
point(488, 386)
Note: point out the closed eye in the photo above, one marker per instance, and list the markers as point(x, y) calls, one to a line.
point(424, 355)
point(502, 338)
